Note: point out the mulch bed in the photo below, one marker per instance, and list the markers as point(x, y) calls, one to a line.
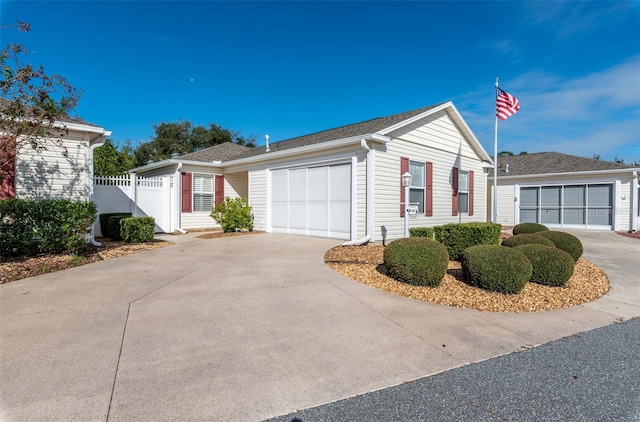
point(365, 265)
point(13, 269)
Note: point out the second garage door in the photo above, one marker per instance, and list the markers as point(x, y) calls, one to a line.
point(314, 201)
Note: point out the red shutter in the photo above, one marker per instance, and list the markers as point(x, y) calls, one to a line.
point(186, 192)
point(428, 203)
point(404, 167)
point(454, 197)
point(219, 189)
point(470, 193)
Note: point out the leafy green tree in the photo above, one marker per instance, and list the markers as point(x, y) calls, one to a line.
point(505, 154)
point(183, 137)
point(32, 103)
point(108, 160)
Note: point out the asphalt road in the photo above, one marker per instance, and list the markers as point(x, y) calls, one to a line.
point(594, 376)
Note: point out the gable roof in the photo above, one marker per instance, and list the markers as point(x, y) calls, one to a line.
point(221, 152)
point(552, 163)
point(342, 132)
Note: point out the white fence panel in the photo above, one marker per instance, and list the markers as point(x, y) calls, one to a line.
point(143, 197)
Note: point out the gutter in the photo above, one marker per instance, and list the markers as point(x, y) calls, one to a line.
point(101, 140)
point(369, 202)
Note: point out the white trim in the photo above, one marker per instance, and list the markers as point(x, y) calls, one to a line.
point(567, 174)
point(635, 192)
point(352, 200)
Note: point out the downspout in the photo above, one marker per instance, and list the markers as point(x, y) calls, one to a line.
point(369, 202)
point(103, 139)
point(178, 196)
point(635, 192)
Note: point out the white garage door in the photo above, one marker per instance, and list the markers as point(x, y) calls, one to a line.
point(314, 201)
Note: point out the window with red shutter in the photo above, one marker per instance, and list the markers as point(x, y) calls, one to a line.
point(219, 189)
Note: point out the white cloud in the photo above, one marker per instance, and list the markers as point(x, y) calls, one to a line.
point(595, 113)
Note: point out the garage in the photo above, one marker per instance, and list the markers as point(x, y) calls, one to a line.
point(571, 206)
point(312, 201)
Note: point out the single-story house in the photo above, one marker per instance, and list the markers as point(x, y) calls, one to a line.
point(341, 183)
point(60, 170)
point(566, 191)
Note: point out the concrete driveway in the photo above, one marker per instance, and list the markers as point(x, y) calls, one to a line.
point(245, 329)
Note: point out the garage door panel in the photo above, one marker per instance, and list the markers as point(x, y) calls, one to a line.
point(313, 201)
point(279, 199)
point(318, 199)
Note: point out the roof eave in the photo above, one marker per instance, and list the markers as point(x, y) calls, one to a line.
point(377, 137)
point(573, 173)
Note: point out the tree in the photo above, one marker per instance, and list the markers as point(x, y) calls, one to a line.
point(32, 104)
point(109, 161)
point(505, 154)
point(183, 137)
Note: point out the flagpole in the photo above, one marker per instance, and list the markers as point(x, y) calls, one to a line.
point(495, 163)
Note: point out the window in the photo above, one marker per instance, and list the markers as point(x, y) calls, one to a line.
point(416, 191)
point(202, 192)
point(463, 191)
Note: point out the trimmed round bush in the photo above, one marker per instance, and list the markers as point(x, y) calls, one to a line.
point(565, 241)
point(496, 268)
point(526, 239)
point(419, 261)
point(529, 228)
point(551, 266)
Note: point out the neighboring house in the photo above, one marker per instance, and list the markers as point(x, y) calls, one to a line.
point(565, 191)
point(340, 183)
point(61, 170)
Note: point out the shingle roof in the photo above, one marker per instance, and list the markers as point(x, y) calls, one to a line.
point(221, 152)
point(342, 132)
point(4, 103)
point(552, 162)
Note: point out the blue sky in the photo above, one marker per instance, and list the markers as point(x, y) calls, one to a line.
point(292, 68)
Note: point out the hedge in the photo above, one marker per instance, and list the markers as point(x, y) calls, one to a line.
point(457, 237)
point(421, 232)
point(137, 229)
point(30, 227)
point(416, 260)
point(110, 224)
point(496, 268)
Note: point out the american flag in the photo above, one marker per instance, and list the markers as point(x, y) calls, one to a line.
point(506, 104)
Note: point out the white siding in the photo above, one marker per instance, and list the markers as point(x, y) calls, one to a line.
point(258, 198)
point(360, 201)
point(59, 171)
point(440, 143)
point(236, 185)
point(506, 205)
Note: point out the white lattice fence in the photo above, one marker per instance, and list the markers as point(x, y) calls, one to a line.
point(141, 196)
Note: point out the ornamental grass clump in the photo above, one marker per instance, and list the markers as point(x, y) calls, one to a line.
point(419, 261)
point(565, 241)
point(526, 239)
point(550, 266)
point(496, 268)
point(529, 228)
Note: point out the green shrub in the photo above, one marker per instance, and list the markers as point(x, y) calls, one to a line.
point(30, 227)
point(496, 268)
point(551, 266)
point(565, 241)
point(110, 224)
point(137, 229)
point(457, 237)
point(233, 214)
point(529, 228)
point(416, 260)
point(421, 232)
point(526, 239)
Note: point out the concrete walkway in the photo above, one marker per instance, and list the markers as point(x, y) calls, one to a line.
point(248, 328)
